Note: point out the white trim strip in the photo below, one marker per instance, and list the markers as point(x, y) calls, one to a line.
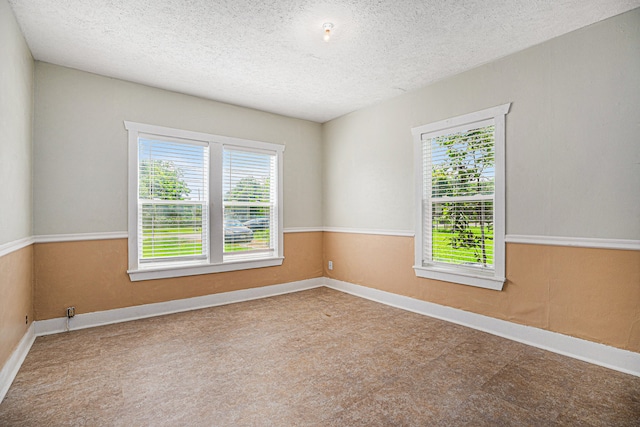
point(10, 369)
point(469, 278)
point(303, 230)
point(107, 317)
point(158, 272)
point(400, 233)
point(51, 238)
point(16, 245)
point(581, 242)
point(588, 351)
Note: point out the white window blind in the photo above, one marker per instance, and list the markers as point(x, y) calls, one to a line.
point(459, 189)
point(250, 187)
point(173, 199)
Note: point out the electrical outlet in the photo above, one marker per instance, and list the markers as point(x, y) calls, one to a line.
point(330, 265)
point(71, 311)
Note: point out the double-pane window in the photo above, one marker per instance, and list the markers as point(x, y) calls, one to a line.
point(201, 203)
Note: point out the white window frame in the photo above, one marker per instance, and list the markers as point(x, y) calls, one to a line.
point(215, 262)
point(453, 273)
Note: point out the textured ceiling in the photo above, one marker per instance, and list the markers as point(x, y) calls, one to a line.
point(270, 54)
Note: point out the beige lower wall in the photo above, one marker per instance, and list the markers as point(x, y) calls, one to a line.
point(592, 294)
point(16, 299)
point(91, 276)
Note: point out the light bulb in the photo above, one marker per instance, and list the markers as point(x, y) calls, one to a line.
point(327, 26)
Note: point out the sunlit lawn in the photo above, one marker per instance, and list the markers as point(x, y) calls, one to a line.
point(169, 242)
point(173, 230)
point(442, 250)
point(174, 245)
point(170, 246)
point(260, 241)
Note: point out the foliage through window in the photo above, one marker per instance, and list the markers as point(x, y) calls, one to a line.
point(201, 203)
point(172, 200)
point(461, 202)
point(460, 174)
point(249, 200)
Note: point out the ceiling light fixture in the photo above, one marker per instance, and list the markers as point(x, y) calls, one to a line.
point(327, 27)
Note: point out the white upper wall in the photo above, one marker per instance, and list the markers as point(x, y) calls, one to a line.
point(573, 150)
point(80, 148)
point(16, 112)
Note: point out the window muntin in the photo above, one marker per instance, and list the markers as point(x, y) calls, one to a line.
point(180, 221)
point(460, 199)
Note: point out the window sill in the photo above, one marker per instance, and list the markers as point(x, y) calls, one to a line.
point(476, 279)
point(168, 271)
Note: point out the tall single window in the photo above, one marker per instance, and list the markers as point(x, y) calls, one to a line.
point(201, 203)
point(460, 199)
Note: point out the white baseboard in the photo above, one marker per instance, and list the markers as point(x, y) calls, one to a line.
point(99, 318)
point(599, 354)
point(588, 351)
point(11, 368)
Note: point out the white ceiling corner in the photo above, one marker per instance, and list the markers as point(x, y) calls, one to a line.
point(270, 55)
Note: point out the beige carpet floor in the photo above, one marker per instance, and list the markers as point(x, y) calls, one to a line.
point(312, 358)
